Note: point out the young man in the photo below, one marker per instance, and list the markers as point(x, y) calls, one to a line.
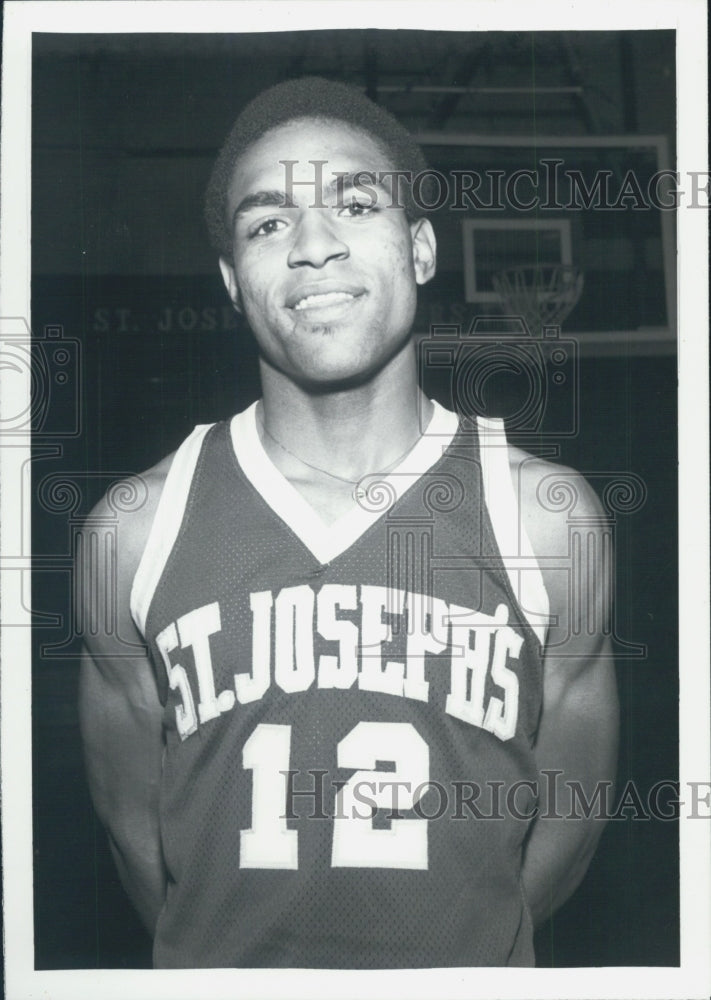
point(319, 730)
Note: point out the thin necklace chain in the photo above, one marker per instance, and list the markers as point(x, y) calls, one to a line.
point(333, 475)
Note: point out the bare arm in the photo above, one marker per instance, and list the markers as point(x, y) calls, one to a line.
point(578, 728)
point(119, 710)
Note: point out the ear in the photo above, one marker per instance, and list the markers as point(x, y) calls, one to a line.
point(424, 250)
point(228, 276)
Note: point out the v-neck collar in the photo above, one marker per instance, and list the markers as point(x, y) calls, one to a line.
point(327, 541)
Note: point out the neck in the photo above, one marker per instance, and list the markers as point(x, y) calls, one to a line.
point(349, 432)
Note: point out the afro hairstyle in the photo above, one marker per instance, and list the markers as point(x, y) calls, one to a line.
point(306, 97)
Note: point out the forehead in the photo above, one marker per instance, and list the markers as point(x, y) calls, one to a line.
point(339, 146)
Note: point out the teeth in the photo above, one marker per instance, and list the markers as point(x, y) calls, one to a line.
point(326, 299)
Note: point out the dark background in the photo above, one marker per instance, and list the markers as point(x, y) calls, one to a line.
point(135, 344)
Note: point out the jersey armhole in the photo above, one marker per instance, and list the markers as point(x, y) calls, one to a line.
point(166, 524)
point(519, 559)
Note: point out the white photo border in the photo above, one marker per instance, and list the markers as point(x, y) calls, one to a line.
point(692, 979)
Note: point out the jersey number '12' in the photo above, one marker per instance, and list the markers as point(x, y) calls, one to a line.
point(356, 843)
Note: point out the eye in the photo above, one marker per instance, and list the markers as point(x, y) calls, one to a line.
point(267, 227)
point(356, 207)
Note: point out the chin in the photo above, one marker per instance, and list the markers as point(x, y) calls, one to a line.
point(333, 364)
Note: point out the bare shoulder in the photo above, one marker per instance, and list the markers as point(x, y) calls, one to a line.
point(128, 509)
point(548, 493)
point(114, 536)
point(553, 499)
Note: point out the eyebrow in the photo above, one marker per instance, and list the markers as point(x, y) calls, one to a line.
point(262, 199)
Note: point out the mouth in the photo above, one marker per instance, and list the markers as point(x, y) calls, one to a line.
point(326, 296)
point(323, 300)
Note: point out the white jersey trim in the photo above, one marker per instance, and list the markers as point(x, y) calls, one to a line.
point(166, 525)
point(327, 541)
point(517, 555)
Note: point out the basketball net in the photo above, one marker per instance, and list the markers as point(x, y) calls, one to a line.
point(543, 294)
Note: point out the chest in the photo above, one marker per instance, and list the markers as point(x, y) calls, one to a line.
point(415, 610)
point(331, 500)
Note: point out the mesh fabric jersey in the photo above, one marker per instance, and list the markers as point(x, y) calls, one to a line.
point(305, 674)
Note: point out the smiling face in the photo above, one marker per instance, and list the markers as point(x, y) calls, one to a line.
point(327, 283)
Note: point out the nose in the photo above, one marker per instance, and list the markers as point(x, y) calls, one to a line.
point(316, 241)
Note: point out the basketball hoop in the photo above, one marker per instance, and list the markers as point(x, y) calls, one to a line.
point(543, 294)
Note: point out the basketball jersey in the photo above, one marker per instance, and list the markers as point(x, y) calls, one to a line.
point(349, 710)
